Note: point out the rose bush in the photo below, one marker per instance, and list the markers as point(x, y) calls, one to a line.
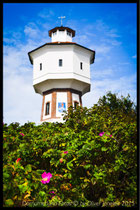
point(89, 159)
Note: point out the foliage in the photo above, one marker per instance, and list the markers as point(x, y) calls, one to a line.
point(92, 158)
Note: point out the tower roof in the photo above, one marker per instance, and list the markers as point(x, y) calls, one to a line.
point(61, 28)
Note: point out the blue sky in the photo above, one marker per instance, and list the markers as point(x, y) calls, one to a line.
point(108, 28)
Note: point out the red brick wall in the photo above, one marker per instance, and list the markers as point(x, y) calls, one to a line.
point(53, 108)
point(69, 98)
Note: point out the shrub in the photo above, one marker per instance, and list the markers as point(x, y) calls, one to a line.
point(92, 158)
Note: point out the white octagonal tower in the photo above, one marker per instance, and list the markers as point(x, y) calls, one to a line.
point(61, 73)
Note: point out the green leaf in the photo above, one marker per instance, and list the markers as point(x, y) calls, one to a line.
point(87, 166)
point(22, 145)
point(42, 193)
point(103, 149)
point(74, 190)
point(39, 171)
point(28, 168)
point(23, 187)
point(9, 202)
point(6, 175)
point(48, 153)
point(86, 180)
point(69, 165)
point(69, 175)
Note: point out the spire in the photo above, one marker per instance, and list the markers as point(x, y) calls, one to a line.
point(62, 17)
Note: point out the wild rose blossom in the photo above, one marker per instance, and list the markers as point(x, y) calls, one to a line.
point(101, 134)
point(65, 152)
point(18, 160)
point(51, 192)
point(46, 177)
point(21, 134)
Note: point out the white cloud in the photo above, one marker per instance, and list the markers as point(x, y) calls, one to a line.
point(100, 25)
point(112, 42)
point(82, 39)
point(122, 86)
point(32, 30)
point(102, 73)
point(45, 13)
point(21, 103)
point(112, 33)
point(102, 48)
point(106, 30)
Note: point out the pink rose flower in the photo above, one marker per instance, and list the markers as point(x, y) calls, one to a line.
point(21, 134)
point(46, 177)
point(51, 192)
point(101, 134)
point(66, 152)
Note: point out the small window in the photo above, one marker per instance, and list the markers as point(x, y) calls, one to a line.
point(75, 104)
point(40, 66)
point(60, 62)
point(68, 33)
point(81, 65)
point(47, 111)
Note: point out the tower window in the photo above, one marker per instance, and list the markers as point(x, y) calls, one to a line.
point(75, 104)
point(81, 65)
point(40, 66)
point(60, 62)
point(47, 111)
point(68, 33)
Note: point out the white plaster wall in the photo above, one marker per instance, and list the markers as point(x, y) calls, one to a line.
point(50, 61)
point(71, 55)
point(75, 97)
point(61, 97)
point(81, 55)
point(48, 98)
point(61, 36)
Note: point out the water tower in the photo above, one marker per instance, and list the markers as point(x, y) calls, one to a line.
point(61, 73)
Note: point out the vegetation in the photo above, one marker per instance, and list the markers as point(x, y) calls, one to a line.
point(90, 160)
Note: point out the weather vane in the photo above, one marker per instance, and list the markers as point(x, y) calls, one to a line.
point(62, 17)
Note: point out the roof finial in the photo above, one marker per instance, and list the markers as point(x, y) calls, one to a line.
point(62, 17)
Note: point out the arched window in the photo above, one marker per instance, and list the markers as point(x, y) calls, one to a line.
point(47, 110)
